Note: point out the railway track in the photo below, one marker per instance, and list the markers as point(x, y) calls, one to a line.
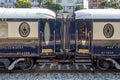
point(61, 68)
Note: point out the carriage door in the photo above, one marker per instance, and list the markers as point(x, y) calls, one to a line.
point(47, 36)
point(82, 36)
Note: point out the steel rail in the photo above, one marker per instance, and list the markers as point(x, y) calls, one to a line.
point(61, 71)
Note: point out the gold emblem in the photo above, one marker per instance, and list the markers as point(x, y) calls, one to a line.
point(108, 30)
point(24, 29)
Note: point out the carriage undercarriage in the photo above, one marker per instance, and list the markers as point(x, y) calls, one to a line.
point(28, 62)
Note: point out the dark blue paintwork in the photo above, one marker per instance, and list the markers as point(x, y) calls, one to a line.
point(72, 35)
point(58, 33)
point(23, 50)
point(18, 47)
point(106, 47)
point(42, 27)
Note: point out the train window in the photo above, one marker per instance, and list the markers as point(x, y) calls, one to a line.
point(47, 33)
point(3, 29)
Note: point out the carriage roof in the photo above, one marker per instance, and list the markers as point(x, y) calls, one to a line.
point(98, 14)
point(28, 13)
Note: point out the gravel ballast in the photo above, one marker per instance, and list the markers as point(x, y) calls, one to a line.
point(60, 76)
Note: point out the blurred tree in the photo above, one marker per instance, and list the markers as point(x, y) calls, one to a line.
point(48, 4)
point(53, 6)
point(79, 7)
point(23, 4)
point(56, 7)
point(39, 3)
point(109, 4)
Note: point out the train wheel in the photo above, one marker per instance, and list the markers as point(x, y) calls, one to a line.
point(26, 65)
point(103, 64)
point(2, 66)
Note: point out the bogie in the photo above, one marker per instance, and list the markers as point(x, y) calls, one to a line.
point(27, 64)
point(104, 64)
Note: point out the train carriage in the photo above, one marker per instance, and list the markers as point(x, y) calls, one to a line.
point(38, 35)
point(99, 35)
point(25, 33)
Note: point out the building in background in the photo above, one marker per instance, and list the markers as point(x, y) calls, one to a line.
point(7, 3)
point(68, 5)
point(95, 3)
point(85, 4)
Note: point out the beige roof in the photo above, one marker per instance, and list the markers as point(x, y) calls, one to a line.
point(26, 13)
point(98, 14)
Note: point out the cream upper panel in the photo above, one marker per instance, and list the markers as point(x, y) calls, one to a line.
point(13, 30)
point(98, 31)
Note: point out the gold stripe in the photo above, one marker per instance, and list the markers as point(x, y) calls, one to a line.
point(20, 38)
point(106, 39)
point(83, 51)
point(47, 50)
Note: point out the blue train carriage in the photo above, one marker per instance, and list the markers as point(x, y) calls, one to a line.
point(24, 34)
point(99, 36)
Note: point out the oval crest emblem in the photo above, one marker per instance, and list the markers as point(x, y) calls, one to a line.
point(108, 30)
point(24, 29)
